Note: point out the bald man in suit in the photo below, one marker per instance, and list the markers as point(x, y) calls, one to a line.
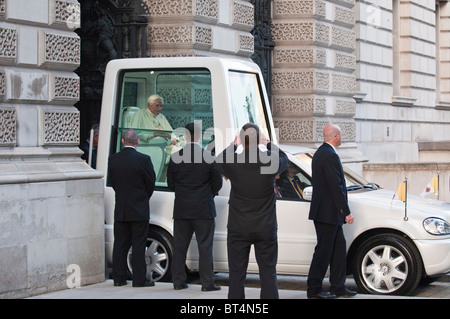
point(329, 210)
point(132, 177)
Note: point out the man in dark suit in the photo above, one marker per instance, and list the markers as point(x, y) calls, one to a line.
point(289, 185)
point(329, 210)
point(195, 181)
point(132, 177)
point(251, 164)
point(90, 145)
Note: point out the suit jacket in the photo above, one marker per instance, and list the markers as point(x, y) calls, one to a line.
point(132, 177)
point(194, 179)
point(85, 148)
point(329, 200)
point(252, 197)
point(286, 188)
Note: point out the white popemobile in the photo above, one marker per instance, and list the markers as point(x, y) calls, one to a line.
point(387, 254)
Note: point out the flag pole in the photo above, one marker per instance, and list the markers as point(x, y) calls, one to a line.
point(438, 173)
point(406, 200)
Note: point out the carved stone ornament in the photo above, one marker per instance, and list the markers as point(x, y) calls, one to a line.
point(59, 127)
point(8, 47)
point(59, 50)
point(8, 123)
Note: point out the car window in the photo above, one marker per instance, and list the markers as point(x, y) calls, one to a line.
point(289, 184)
point(186, 97)
point(247, 101)
point(353, 181)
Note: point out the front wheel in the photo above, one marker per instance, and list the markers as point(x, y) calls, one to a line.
point(158, 255)
point(387, 264)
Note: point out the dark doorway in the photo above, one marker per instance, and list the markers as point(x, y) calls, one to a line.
point(110, 29)
point(263, 41)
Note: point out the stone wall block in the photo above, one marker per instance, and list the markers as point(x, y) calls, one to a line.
point(8, 124)
point(180, 36)
point(311, 130)
point(245, 44)
point(8, 47)
point(64, 88)
point(243, 16)
point(59, 126)
point(26, 85)
point(65, 14)
point(59, 50)
point(295, 130)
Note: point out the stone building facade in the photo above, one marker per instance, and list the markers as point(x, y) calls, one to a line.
point(51, 201)
point(378, 68)
point(200, 28)
point(403, 85)
point(313, 71)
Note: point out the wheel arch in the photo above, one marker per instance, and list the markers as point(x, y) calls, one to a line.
point(160, 228)
point(161, 225)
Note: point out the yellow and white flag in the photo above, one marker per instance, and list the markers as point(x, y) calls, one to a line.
point(432, 188)
point(401, 191)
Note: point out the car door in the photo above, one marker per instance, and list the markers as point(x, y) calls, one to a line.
point(296, 233)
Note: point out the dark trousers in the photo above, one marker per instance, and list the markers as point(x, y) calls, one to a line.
point(266, 252)
point(330, 250)
point(204, 234)
point(126, 235)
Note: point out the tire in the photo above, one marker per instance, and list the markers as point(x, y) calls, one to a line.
point(387, 264)
point(158, 255)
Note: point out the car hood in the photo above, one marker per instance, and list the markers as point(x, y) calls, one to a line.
point(387, 199)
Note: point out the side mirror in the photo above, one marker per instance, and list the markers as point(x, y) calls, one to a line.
point(307, 193)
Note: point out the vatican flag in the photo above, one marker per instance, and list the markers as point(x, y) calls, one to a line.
point(401, 191)
point(432, 188)
point(402, 194)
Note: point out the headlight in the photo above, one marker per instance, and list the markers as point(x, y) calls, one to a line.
point(436, 226)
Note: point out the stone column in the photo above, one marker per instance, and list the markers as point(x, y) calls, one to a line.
point(313, 63)
point(51, 201)
point(200, 28)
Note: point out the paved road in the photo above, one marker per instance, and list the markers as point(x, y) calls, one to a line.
point(290, 287)
point(438, 289)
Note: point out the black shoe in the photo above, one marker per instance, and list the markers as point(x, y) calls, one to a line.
point(346, 293)
point(180, 287)
point(119, 283)
point(145, 284)
point(321, 295)
point(213, 288)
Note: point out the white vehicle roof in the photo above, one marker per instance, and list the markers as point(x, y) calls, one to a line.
point(296, 149)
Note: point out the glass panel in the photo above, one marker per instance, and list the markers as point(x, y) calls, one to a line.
point(186, 97)
point(290, 183)
point(247, 101)
point(352, 179)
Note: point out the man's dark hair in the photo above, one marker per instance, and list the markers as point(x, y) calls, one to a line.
point(250, 135)
point(194, 130)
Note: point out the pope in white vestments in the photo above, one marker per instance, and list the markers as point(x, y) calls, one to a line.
point(151, 118)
